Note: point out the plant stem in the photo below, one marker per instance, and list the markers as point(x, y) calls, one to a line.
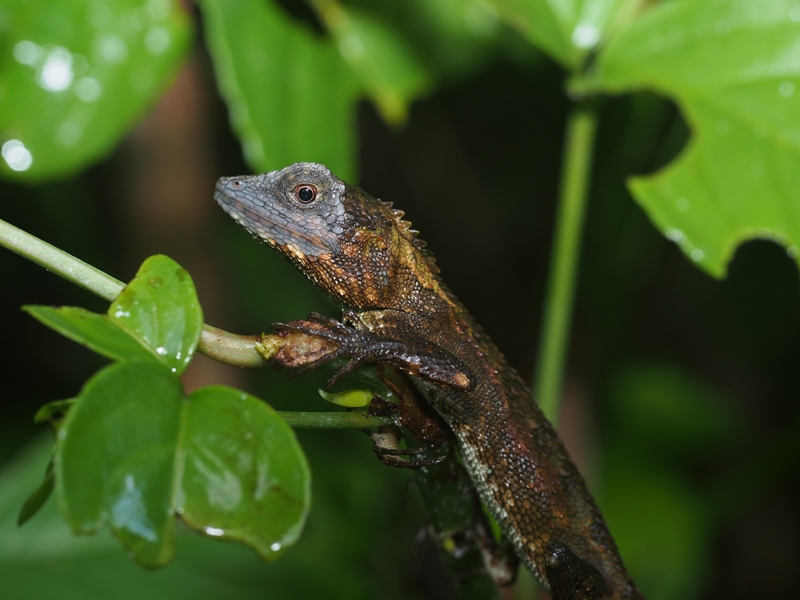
point(557, 314)
point(230, 348)
point(333, 420)
point(61, 263)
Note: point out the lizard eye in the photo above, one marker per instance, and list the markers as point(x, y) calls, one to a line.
point(305, 193)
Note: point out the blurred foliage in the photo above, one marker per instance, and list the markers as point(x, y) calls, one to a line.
point(76, 77)
point(690, 455)
point(290, 96)
point(734, 69)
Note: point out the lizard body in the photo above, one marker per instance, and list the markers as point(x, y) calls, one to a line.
point(398, 311)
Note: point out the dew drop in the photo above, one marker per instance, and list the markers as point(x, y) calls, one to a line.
point(275, 547)
point(26, 52)
point(697, 255)
point(585, 35)
point(351, 48)
point(17, 156)
point(80, 65)
point(56, 73)
point(69, 133)
point(792, 252)
point(216, 532)
point(157, 40)
point(112, 49)
point(674, 235)
point(88, 89)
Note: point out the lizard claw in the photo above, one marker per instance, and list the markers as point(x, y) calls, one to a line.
point(385, 443)
point(416, 357)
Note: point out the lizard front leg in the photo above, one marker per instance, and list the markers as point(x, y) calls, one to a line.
point(413, 355)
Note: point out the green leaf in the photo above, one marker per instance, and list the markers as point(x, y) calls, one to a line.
point(53, 411)
point(76, 76)
point(290, 95)
point(734, 69)
point(96, 332)
point(133, 451)
point(116, 457)
point(382, 61)
point(245, 477)
point(39, 496)
point(159, 307)
point(567, 29)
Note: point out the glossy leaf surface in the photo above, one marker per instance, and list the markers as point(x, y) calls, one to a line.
point(76, 75)
point(96, 332)
point(567, 29)
point(116, 458)
point(734, 69)
point(245, 477)
point(159, 307)
point(383, 62)
point(291, 97)
point(134, 451)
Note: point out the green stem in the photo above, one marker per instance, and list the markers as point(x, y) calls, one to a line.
point(61, 263)
point(333, 420)
point(575, 174)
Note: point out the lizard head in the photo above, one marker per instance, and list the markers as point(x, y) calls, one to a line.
point(355, 247)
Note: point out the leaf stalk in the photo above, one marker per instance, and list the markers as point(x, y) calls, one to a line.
point(560, 293)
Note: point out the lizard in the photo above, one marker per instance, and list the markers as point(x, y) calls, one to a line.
point(398, 311)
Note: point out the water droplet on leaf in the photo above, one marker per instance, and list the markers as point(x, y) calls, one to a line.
point(17, 156)
point(585, 35)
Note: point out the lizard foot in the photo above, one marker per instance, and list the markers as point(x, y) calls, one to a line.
point(416, 357)
point(385, 444)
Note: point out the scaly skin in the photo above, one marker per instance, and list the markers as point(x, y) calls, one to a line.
point(360, 251)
